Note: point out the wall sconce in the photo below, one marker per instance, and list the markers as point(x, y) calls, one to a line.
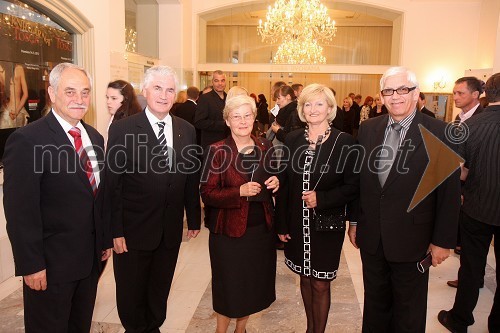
point(441, 84)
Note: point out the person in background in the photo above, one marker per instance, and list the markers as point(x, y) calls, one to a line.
point(287, 119)
point(297, 89)
point(121, 100)
point(237, 186)
point(366, 109)
point(349, 115)
point(357, 114)
point(187, 110)
point(422, 108)
point(392, 238)
point(307, 191)
point(152, 180)
point(207, 89)
point(181, 98)
point(379, 109)
point(208, 118)
point(338, 122)
point(480, 221)
point(262, 113)
point(56, 219)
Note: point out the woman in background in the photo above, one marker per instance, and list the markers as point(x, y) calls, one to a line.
point(366, 109)
point(262, 113)
point(349, 115)
point(121, 100)
point(379, 108)
point(237, 186)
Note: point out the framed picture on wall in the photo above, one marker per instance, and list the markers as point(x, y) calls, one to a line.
point(441, 104)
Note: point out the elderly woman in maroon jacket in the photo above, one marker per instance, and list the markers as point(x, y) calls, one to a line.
point(237, 186)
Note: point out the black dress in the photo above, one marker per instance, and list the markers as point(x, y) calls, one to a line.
point(244, 268)
point(309, 252)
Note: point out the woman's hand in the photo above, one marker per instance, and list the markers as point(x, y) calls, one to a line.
point(275, 127)
point(309, 198)
point(272, 183)
point(284, 238)
point(352, 235)
point(249, 189)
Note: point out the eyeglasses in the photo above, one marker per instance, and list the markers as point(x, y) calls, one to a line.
point(240, 118)
point(400, 91)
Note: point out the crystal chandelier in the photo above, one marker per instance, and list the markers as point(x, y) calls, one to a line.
point(130, 40)
point(293, 18)
point(299, 51)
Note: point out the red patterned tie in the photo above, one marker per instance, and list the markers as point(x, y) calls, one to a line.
point(77, 136)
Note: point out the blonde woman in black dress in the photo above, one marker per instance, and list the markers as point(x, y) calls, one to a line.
point(305, 191)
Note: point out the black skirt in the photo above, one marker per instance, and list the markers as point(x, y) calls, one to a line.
point(243, 272)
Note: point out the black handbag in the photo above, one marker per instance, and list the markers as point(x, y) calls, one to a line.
point(330, 220)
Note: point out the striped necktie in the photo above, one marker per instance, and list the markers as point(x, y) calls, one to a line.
point(163, 141)
point(84, 158)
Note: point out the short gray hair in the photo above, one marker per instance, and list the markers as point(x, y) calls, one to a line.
point(56, 72)
point(162, 71)
point(237, 101)
point(393, 71)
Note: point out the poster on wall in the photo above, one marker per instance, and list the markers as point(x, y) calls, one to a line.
point(31, 45)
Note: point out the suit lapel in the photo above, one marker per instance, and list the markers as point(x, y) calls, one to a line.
point(415, 140)
point(61, 139)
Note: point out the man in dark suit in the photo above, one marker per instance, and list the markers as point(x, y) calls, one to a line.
point(480, 220)
point(391, 238)
point(208, 118)
point(422, 108)
point(466, 94)
point(152, 177)
point(53, 205)
point(187, 110)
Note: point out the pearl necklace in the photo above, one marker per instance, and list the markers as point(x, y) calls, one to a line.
point(311, 142)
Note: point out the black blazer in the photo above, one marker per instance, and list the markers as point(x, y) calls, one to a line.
point(428, 112)
point(383, 211)
point(186, 111)
point(209, 119)
point(54, 221)
point(147, 199)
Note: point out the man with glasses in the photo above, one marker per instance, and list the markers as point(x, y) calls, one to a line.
point(392, 239)
point(152, 177)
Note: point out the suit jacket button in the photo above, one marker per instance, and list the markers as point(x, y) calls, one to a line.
point(381, 196)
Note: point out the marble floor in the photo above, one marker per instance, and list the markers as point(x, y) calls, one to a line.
point(189, 307)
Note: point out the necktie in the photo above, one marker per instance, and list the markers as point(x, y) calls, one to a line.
point(163, 141)
point(84, 158)
point(391, 149)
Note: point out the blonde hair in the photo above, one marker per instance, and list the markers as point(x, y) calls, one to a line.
point(312, 91)
point(235, 91)
point(237, 101)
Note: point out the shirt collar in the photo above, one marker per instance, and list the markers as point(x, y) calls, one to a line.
point(405, 122)
point(153, 120)
point(464, 116)
point(64, 124)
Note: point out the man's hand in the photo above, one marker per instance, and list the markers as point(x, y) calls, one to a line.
point(192, 233)
point(37, 281)
point(106, 254)
point(352, 235)
point(439, 254)
point(120, 245)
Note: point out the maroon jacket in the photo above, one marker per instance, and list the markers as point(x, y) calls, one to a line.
point(220, 187)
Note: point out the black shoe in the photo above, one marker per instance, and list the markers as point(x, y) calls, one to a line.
point(454, 284)
point(445, 320)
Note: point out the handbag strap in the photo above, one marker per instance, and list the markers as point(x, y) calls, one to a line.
point(327, 161)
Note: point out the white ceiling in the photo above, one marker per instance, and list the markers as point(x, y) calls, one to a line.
point(344, 14)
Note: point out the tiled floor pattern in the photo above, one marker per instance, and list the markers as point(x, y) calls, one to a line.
point(190, 305)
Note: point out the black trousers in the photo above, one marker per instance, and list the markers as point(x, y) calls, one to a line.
point(395, 295)
point(63, 307)
point(476, 240)
point(143, 281)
